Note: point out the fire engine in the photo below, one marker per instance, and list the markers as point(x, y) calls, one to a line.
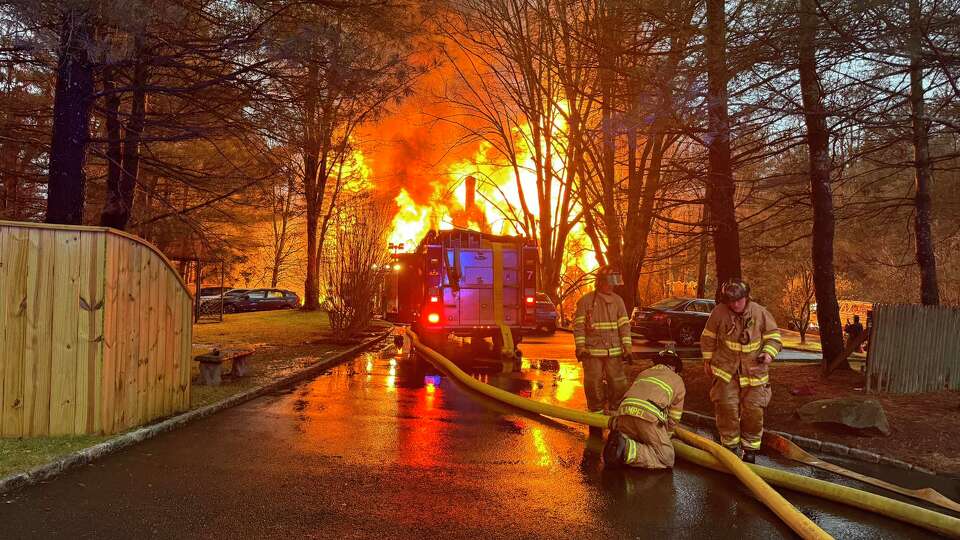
point(471, 284)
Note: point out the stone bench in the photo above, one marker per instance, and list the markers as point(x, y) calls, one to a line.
point(211, 365)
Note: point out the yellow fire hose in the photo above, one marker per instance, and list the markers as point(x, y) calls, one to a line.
point(508, 349)
point(755, 474)
point(789, 450)
point(800, 523)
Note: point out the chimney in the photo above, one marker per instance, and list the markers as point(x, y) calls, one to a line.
point(471, 198)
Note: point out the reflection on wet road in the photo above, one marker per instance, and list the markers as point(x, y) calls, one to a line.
point(381, 447)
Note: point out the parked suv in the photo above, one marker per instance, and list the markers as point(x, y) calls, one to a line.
point(678, 319)
point(546, 314)
point(238, 300)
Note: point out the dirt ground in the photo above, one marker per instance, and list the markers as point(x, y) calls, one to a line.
point(925, 427)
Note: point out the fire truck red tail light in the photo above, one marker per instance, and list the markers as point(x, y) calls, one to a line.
point(529, 299)
point(433, 318)
point(434, 299)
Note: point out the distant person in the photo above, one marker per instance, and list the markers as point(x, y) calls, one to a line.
point(641, 430)
point(739, 342)
point(856, 328)
point(601, 333)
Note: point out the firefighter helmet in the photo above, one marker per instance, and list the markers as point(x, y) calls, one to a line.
point(611, 274)
point(670, 358)
point(734, 290)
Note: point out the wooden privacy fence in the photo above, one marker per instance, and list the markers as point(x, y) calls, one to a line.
point(95, 331)
point(914, 348)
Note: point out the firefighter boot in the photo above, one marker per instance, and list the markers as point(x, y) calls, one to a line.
point(749, 456)
point(614, 450)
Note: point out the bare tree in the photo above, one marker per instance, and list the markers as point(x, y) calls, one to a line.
point(796, 298)
point(821, 197)
point(283, 210)
point(355, 262)
point(520, 70)
point(720, 186)
point(926, 258)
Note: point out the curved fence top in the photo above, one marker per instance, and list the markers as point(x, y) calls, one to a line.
point(107, 230)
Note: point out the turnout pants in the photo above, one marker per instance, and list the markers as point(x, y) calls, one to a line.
point(603, 382)
point(739, 412)
point(648, 444)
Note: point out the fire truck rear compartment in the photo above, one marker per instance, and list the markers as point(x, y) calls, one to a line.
point(471, 307)
point(472, 285)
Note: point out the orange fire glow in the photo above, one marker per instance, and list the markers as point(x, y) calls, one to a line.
point(494, 206)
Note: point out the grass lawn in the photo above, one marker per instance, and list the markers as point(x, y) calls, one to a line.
point(285, 342)
point(23, 454)
point(282, 327)
point(791, 340)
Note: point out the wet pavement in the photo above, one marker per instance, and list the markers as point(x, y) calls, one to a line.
point(383, 447)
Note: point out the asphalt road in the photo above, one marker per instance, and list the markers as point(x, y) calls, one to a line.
point(381, 448)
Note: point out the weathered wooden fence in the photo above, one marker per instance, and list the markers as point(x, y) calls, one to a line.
point(95, 331)
point(914, 348)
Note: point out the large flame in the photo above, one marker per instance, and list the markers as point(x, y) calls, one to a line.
point(496, 205)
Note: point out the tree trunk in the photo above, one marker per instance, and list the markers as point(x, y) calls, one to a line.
point(122, 207)
point(311, 170)
point(720, 186)
point(631, 265)
point(926, 258)
point(111, 102)
point(281, 232)
point(311, 286)
point(71, 120)
point(611, 217)
point(818, 140)
point(702, 263)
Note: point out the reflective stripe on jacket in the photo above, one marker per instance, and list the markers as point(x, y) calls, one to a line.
point(656, 395)
point(601, 326)
point(729, 356)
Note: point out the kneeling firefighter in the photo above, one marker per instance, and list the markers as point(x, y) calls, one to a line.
point(640, 432)
point(739, 342)
point(601, 332)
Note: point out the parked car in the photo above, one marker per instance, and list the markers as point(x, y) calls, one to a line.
point(238, 300)
point(211, 293)
point(546, 314)
point(678, 319)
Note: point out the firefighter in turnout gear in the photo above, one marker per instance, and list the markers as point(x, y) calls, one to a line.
point(739, 342)
point(640, 432)
point(601, 331)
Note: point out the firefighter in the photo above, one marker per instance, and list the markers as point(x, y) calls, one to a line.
point(739, 342)
point(601, 331)
point(640, 432)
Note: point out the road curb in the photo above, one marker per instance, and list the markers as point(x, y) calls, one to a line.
point(87, 455)
point(817, 445)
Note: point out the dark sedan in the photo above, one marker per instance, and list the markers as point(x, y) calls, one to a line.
point(677, 319)
point(546, 314)
point(239, 300)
